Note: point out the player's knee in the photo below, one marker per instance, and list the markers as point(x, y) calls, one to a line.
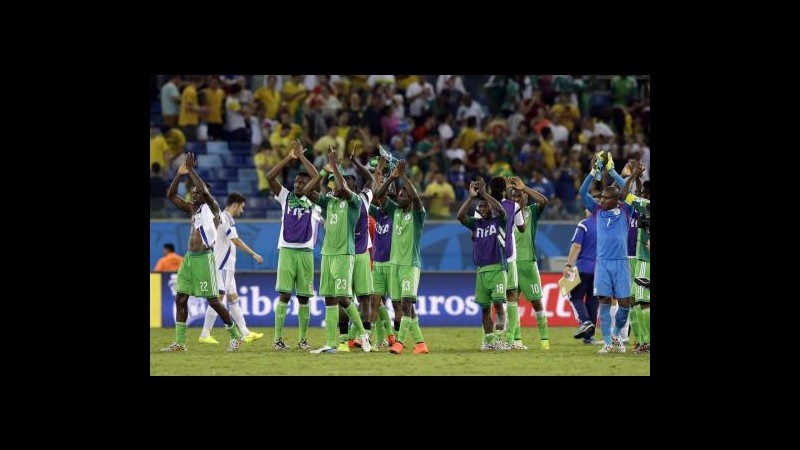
point(301, 300)
point(285, 296)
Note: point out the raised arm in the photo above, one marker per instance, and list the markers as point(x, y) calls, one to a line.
point(299, 151)
point(341, 185)
point(278, 168)
point(172, 192)
point(462, 212)
point(588, 201)
point(369, 179)
point(201, 187)
point(392, 177)
point(409, 187)
point(636, 172)
point(537, 196)
point(491, 200)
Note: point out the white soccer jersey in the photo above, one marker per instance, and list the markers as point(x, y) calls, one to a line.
point(224, 250)
point(316, 219)
point(203, 221)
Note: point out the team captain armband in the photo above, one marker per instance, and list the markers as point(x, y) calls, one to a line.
point(630, 199)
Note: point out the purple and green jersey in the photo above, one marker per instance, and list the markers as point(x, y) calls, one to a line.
point(486, 246)
point(300, 220)
point(382, 245)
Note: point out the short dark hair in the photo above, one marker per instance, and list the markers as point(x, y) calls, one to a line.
point(497, 185)
point(235, 197)
point(303, 173)
point(169, 247)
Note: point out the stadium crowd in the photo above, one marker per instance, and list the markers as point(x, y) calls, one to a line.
point(451, 129)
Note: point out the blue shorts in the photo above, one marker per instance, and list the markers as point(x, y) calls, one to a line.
point(612, 278)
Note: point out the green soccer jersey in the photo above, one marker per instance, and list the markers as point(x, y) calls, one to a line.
point(526, 248)
point(340, 224)
point(406, 234)
point(641, 205)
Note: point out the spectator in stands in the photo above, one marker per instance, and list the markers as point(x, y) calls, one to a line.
point(269, 98)
point(176, 141)
point(236, 115)
point(457, 177)
point(158, 186)
point(623, 89)
point(294, 92)
point(543, 185)
point(171, 100)
point(158, 147)
point(355, 110)
point(440, 195)
point(214, 98)
point(419, 96)
point(171, 261)
point(548, 149)
point(469, 134)
point(469, 108)
point(452, 151)
point(330, 138)
point(189, 116)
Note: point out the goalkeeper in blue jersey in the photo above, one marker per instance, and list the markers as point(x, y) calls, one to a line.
point(612, 276)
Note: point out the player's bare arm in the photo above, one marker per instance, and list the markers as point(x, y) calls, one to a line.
point(636, 172)
point(384, 187)
point(342, 190)
point(481, 185)
point(369, 179)
point(273, 173)
point(200, 185)
point(300, 152)
point(172, 192)
point(411, 190)
point(242, 246)
point(537, 196)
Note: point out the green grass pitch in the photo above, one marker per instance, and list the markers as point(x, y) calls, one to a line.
point(453, 351)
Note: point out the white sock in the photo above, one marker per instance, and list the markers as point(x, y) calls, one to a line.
point(238, 317)
point(211, 316)
point(623, 332)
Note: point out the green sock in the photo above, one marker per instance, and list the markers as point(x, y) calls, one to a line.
point(488, 338)
point(380, 335)
point(646, 327)
point(304, 316)
point(512, 310)
point(355, 318)
point(180, 333)
point(383, 313)
point(416, 332)
point(541, 322)
point(343, 338)
point(233, 331)
point(351, 332)
point(405, 324)
point(280, 318)
point(331, 324)
point(518, 331)
point(635, 319)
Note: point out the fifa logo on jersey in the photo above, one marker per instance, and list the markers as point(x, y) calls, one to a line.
point(341, 204)
point(298, 212)
point(382, 229)
point(407, 216)
point(485, 232)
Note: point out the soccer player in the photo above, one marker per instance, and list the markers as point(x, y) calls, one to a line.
point(362, 275)
point(641, 267)
point(225, 254)
point(528, 272)
point(381, 251)
point(299, 226)
point(408, 220)
point(612, 271)
point(341, 212)
point(487, 253)
point(197, 275)
point(582, 254)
